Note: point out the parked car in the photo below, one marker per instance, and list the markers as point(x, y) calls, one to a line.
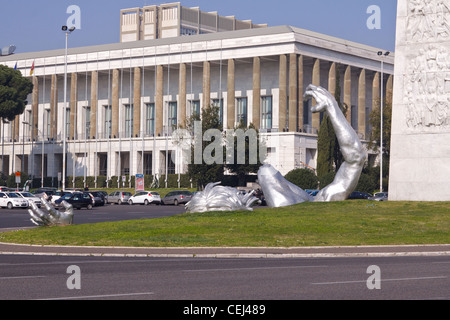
point(47, 191)
point(58, 194)
point(99, 198)
point(260, 195)
point(119, 197)
point(312, 192)
point(177, 197)
point(359, 195)
point(30, 198)
point(145, 197)
point(77, 199)
point(12, 200)
point(380, 196)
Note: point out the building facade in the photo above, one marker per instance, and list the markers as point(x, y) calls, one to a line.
point(123, 100)
point(173, 20)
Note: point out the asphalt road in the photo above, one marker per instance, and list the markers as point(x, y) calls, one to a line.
point(19, 218)
point(47, 277)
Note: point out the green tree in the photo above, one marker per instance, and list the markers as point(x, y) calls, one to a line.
point(243, 169)
point(203, 173)
point(303, 178)
point(375, 122)
point(14, 90)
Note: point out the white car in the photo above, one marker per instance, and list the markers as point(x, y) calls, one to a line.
point(31, 198)
point(12, 200)
point(145, 197)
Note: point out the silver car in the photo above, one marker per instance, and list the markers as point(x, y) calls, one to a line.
point(31, 198)
point(177, 197)
point(119, 197)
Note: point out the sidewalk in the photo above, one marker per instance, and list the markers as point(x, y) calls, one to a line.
point(238, 252)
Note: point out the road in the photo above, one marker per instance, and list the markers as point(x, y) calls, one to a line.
point(203, 279)
point(46, 277)
point(19, 218)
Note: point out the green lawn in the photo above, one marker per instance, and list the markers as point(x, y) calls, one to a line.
point(356, 222)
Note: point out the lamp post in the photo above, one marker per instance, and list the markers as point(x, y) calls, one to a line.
point(381, 54)
point(67, 31)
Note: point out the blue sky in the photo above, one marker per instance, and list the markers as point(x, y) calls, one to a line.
point(35, 25)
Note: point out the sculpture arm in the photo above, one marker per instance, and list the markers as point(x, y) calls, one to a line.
point(352, 150)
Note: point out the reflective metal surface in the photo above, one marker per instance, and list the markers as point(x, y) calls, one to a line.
point(221, 198)
point(51, 216)
point(280, 192)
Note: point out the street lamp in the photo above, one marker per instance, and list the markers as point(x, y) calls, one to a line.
point(67, 31)
point(381, 54)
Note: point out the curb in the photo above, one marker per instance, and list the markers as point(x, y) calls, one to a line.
point(230, 252)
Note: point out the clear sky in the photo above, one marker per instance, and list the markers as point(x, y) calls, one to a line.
point(35, 25)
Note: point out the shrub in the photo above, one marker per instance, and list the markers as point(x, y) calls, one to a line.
point(303, 178)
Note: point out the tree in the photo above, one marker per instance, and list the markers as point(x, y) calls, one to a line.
point(303, 178)
point(14, 90)
point(375, 122)
point(249, 165)
point(204, 173)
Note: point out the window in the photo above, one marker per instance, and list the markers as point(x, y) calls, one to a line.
point(266, 112)
point(219, 103)
point(241, 110)
point(87, 123)
point(150, 119)
point(172, 116)
point(67, 123)
point(108, 121)
point(128, 120)
point(47, 129)
point(195, 108)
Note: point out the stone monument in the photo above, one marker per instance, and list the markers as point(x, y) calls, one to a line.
point(420, 142)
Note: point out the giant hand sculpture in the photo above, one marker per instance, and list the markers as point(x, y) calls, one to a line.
point(280, 192)
point(221, 198)
point(52, 217)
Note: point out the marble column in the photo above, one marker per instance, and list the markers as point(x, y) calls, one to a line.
point(332, 79)
point(54, 107)
point(376, 91)
point(73, 105)
point(316, 82)
point(293, 93)
point(362, 103)
point(94, 104)
point(137, 102)
point(231, 103)
point(256, 114)
point(348, 93)
point(300, 92)
point(159, 105)
point(35, 109)
point(115, 105)
point(282, 114)
point(182, 93)
point(206, 84)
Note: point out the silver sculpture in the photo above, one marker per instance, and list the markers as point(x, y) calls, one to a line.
point(51, 217)
point(280, 192)
point(221, 198)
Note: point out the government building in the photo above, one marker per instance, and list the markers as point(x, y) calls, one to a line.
point(123, 101)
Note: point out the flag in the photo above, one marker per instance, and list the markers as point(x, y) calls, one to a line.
point(15, 67)
point(32, 69)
